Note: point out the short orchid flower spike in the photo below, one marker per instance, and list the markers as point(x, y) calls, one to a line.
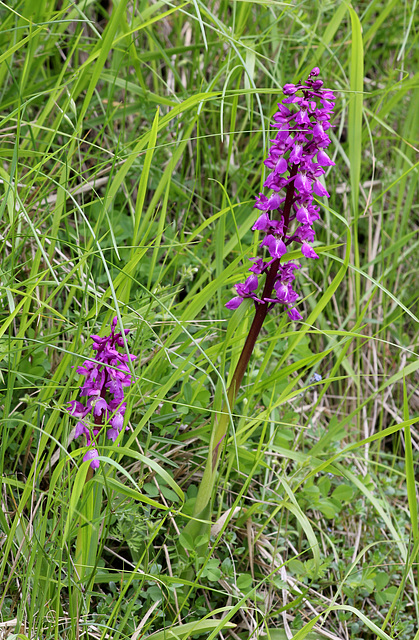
point(106, 377)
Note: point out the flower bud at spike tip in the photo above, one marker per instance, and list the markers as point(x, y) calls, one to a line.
point(298, 150)
point(104, 385)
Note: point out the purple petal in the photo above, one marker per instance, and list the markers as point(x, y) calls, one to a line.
point(280, 166)
point(323, 159)
point(80, 429)
point(263, 223)
point(117, 421)
point(245, 289)
point(258, 266)
point(114, 386)
point(100, 407)
point(319, 135)
point(77, 409)
point(234, 303)
point(268, 204)
point(302, 117)
point(289, 89)
point(86, 367)
point(303, 215)
point(276, 247)
point(308, 251)
point(296, 154)
point(112, 434)
point(92, 454)
point(294, 315)
point(319, 189)
point(305, 233)
point(282, 291)
point(303, 184)
point(274, 182)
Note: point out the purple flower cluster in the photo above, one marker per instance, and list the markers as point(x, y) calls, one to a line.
point(297, 159)
point(106, 377)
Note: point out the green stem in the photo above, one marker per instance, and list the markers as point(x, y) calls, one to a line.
point(222, 421)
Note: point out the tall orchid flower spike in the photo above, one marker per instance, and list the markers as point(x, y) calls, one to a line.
point(297, 160)
point(103, 389)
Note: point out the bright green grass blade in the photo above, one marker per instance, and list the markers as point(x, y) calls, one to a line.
point(325, 40)
point(152, 464)
point(371, 625)
point(77, 488)
point(409, 563)
point(188, 629)
point(410, 468)
point(295, 508)
point(102, 52)
point(162, 221)
point(142, 187)
point(325, 299)
point(379, 20)
point(87, 539)
point(355, 130)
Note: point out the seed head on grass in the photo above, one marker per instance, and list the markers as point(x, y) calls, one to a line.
point(103, 388)
point(297, 159)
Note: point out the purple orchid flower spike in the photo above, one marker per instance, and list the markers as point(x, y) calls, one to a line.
point(299, 151)
point(296, 159)
point(103, 388)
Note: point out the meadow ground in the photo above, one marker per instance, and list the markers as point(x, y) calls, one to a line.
point(132, 137)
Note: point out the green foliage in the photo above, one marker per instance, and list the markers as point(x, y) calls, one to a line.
point(132, 141)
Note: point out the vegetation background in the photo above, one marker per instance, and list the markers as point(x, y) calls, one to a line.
point(132, 141)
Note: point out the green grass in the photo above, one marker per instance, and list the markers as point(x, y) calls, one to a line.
point(132, 140)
